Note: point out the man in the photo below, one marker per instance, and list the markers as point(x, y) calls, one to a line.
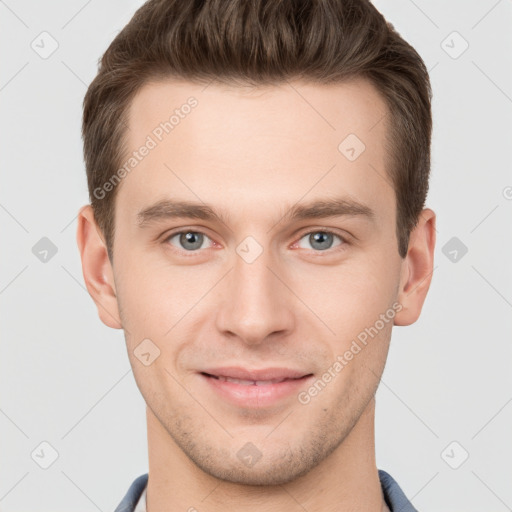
point(257, 173)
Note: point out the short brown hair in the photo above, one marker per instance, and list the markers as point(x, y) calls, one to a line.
point(262, 42)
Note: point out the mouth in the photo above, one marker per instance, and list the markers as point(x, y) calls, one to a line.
point(249, 382)
point(255, 389)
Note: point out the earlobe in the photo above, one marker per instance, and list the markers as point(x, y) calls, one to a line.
point(417, 269)
point(96, 268)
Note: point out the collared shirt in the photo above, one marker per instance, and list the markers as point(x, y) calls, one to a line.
point(135, 498)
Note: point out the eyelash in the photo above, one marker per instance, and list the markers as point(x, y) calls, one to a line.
point(336, 248)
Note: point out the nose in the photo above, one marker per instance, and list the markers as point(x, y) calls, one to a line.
point(256, 303)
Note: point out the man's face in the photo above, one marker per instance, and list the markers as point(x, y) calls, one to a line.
point(260, 288)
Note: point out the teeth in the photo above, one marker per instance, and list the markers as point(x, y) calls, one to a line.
point(251, 382)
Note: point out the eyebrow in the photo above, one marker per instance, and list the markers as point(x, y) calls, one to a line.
point(318, 209)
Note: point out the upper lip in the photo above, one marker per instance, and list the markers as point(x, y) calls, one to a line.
point(256, 375)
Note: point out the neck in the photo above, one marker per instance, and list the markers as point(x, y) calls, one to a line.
point(346, 480)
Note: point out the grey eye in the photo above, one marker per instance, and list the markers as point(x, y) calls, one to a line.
point(320, 240)
point(189, 240)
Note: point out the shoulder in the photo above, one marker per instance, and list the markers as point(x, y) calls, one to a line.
point(393, 494)
point(134, 493)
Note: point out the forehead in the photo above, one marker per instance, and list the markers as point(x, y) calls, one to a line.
point(302, 110)
point(278, 142)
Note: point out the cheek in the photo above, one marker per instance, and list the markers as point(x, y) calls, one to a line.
point(352, 296)
point(153, 297)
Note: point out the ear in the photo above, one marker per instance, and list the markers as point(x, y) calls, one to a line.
point(96, 268)
point(417, 269)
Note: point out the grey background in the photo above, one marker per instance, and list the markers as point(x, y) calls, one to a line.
point(65, 377)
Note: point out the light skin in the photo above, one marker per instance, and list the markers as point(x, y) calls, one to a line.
point(252, 156)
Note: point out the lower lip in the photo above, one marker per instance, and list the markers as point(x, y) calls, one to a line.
point(252, 396)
